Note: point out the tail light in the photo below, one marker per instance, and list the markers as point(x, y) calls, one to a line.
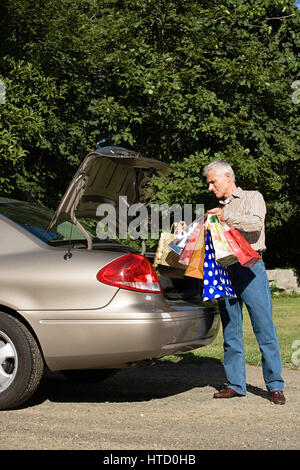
point(133, 272)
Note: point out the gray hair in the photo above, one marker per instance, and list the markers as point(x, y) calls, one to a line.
point(221, 167)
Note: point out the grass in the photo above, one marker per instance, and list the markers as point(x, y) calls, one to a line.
point(286, 316)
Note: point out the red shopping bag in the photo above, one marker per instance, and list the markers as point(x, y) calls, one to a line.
point(190, 246)
point(244, 252)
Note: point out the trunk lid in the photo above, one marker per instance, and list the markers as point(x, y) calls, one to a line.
point(103, 176)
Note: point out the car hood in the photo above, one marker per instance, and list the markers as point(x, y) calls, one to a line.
point(103, 176)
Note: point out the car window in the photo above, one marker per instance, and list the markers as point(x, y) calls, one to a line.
point(36, 220)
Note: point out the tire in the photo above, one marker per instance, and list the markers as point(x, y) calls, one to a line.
point(21, 363)
point(88, 375)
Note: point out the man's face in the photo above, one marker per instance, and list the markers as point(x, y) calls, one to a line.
point(220, 185)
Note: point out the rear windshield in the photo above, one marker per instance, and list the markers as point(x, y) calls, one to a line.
point(36, 220)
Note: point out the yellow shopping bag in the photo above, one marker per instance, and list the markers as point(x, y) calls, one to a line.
point(224, 254)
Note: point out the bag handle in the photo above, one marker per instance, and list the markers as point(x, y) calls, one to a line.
point(210, 218)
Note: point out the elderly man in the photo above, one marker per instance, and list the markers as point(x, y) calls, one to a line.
point(245, 211)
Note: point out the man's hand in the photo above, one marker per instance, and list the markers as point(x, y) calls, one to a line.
point(217, 211)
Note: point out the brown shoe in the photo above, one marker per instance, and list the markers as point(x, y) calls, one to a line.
point(227, 393)
point(277, 397)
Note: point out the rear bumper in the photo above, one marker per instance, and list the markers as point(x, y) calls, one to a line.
point(197, 326)
point(132, 328)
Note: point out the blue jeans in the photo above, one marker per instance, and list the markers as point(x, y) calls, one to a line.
point(251, 286)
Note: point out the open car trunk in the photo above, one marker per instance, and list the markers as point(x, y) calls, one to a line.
point(105, 176)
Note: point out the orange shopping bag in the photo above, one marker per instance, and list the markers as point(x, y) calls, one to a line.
point(196, 265)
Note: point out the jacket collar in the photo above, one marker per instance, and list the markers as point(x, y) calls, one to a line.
point(237, 193)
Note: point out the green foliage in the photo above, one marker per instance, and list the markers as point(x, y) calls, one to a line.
point(286, 311)
point(182, 81)
point(28, 111)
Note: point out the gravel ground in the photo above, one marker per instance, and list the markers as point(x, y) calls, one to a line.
point(155, 407)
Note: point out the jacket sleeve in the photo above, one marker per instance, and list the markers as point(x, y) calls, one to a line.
point(252, 218)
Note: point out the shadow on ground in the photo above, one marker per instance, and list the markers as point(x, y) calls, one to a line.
point(153, 381)
point(148, 382)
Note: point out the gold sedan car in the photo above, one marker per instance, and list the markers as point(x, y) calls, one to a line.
point(78, 304)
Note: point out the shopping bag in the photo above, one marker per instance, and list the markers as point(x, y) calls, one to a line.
point(180, 240)
point(223, 251)
point(216, 282)
point(244, 252)
point(187, 252)
point(196, 264)
point(164, 255)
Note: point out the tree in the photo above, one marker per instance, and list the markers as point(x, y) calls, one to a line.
point(27, 117)
point(182, 81)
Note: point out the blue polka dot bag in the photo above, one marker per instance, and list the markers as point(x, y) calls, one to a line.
point(216, 282)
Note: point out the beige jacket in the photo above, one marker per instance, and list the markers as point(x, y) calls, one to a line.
point(246, 211)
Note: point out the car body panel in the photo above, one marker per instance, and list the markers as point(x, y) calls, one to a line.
point(132, 328)
point(40, 278)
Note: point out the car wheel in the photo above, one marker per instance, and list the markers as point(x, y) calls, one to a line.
point(21, 363)
point(88, 375)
